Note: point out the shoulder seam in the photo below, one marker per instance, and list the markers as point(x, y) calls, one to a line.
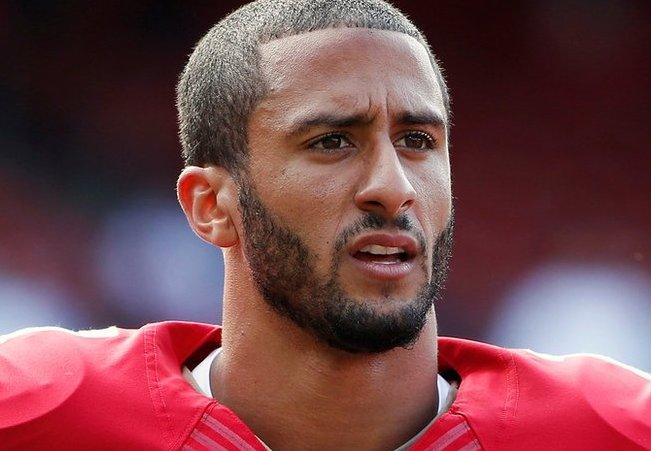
point(511, 397)
point(153, 382)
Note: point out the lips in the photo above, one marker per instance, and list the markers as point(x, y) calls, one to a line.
point(377, 243)
point(384, 256)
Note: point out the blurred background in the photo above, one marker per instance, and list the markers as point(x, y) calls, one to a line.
point(551, 101)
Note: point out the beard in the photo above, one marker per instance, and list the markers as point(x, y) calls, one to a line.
point(284, 272)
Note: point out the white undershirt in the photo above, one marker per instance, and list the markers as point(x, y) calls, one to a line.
point(199, 377)
point(201, 373)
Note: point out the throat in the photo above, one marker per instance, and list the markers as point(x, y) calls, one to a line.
point(287, 386)
point(351, 399)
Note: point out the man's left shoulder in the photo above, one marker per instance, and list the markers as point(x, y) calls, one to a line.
point(536, 399)
point(572, 376)
point(588, 377)
point(588, 392)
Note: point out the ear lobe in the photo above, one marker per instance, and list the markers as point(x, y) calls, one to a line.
point(207, 196)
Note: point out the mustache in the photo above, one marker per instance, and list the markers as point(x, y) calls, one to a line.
point(373, 221)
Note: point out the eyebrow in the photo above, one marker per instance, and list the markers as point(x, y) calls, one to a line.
point(329, 120)
point(426, 117)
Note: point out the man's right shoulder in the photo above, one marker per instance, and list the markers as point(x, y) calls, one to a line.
point(44, 370)
point(100, 389)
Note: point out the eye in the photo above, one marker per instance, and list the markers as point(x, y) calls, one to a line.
point(330, 142)
point(416, 141)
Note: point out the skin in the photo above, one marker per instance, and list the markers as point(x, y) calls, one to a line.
point(292, 389)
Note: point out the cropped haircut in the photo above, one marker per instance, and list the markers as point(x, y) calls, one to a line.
point(222, 82)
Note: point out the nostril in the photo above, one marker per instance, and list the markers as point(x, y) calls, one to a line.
point(374, 203)
point(406, 205)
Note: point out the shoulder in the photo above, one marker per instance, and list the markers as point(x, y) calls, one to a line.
point(582, 372)
point(592, 396)
point(96, 382)
point(42, 368)
point(533, 397)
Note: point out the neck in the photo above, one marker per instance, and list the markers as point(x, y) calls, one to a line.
point(295, 392)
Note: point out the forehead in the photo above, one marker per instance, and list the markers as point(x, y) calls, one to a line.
point(349, 68)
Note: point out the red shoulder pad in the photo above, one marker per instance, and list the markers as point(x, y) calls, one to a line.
point(40, 368)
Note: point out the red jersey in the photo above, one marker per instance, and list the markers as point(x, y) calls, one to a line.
point(125, 389)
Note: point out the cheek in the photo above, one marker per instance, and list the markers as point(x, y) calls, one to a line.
point(298, 190)
point(312, 202)
point(434, 192)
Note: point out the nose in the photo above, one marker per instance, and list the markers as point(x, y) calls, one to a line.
point(385, 189)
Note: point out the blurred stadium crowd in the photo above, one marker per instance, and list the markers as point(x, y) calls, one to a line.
point(550, 161)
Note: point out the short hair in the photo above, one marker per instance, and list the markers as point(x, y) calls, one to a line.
point(222, 82)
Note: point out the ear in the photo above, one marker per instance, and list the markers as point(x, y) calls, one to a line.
point(208, 197)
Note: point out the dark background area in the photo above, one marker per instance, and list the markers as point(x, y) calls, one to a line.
point(551, 104)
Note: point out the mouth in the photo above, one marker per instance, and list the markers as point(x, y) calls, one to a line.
point(384, 256)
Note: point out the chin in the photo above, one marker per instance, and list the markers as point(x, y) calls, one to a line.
point(385, 294)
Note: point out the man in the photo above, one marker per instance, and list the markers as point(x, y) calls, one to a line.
point(315, 135)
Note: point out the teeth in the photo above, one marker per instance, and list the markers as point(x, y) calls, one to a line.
point(376, 249)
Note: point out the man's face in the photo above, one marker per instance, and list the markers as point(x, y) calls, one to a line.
point(347, 206)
